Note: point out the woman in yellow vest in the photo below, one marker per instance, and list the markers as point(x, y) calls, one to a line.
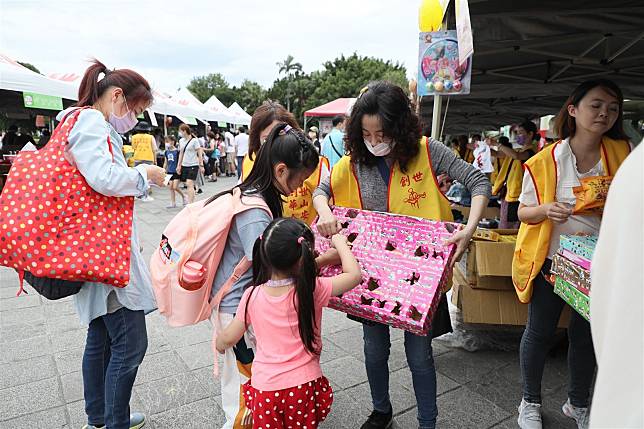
point(594, 145)
point(144, 149)
point(300, 203)
point(510, 176)
point(390, 168)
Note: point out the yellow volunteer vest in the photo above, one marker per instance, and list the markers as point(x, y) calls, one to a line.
point(142, 145)
point(247, 166)
point(511, 175)
point(496, 165)
point(414, 193)
point(533, 240)
point(300, 203)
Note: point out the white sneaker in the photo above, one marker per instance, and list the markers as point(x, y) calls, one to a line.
point(579, 414)
point(147, 198)
point(529, 415)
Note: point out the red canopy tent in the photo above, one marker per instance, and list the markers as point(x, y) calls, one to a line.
point(340, 106)
point(332, 108)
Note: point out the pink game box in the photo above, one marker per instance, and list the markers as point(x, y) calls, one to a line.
point(405, 267)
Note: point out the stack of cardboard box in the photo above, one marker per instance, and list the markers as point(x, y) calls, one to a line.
point(482, 282)
point(571, 266)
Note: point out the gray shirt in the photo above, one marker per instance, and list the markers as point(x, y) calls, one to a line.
point(373, 188)
point(246, 228)
point(190, 154)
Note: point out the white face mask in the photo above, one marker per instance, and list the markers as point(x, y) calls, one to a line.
point(381, 149)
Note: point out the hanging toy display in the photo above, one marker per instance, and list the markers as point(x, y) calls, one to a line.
point(440, 71)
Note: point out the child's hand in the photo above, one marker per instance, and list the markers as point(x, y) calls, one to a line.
point(331, 257)
point(221, 347)
point(339, 240)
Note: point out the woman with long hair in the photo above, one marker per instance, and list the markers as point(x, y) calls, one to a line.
point(593, 147)
point(390, 168)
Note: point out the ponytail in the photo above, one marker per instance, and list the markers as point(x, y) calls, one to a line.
point(304, 291)
point(135, 88)
point(287, 246)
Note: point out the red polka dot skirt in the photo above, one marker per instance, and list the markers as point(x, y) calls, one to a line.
point(299, 407)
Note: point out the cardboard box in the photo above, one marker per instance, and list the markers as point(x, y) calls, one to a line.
point(405, 267)
point(493, 307)
point(488, 265)
point(581, 245)
point(483, 234)
point(573, 297)
point(488, 213)
point(572, 273)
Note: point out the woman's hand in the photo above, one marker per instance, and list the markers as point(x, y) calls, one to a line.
point(179, 169)
point(462, 240)
point(328, 225)
point(156, 174)
point(557, 212)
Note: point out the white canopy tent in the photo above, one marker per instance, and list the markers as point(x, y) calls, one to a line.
point(218, 107)
point(15, 77)
point(182, 104)
point(184, 98)
point(241, 117)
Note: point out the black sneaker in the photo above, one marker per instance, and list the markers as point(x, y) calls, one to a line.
point(378, 420)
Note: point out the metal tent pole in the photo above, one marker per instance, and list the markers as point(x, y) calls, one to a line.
point(436, 117)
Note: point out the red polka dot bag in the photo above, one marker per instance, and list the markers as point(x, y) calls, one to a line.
point(54, 225)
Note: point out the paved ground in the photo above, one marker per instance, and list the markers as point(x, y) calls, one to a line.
point(41, 346)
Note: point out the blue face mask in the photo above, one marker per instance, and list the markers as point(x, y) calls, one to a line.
point(520, 139)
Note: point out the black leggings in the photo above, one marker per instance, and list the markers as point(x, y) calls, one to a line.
point(543, 315)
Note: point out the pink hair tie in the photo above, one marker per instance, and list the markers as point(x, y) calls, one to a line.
point(261, 237)
point(300, 240)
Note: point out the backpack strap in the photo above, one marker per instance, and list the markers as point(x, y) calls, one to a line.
point(240, 269)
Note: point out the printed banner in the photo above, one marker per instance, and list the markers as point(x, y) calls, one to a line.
point(34, 100)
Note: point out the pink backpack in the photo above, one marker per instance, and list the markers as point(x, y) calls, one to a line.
point(184, 266)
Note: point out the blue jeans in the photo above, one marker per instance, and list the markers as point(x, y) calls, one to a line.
point(421, 363)
point(116, 344)
point(543, 315)
point(240, 162)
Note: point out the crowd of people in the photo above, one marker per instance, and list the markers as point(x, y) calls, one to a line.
point(268, 324)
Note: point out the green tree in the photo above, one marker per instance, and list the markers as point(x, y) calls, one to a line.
point(204, 87)
point(345, 76)
point(29, 66)
point(289, 68)
point(250, 95)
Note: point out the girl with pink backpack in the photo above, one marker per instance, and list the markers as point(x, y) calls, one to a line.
point(287, 387)
point(283, 163)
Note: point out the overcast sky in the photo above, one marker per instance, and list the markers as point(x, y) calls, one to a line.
point(169, 42)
